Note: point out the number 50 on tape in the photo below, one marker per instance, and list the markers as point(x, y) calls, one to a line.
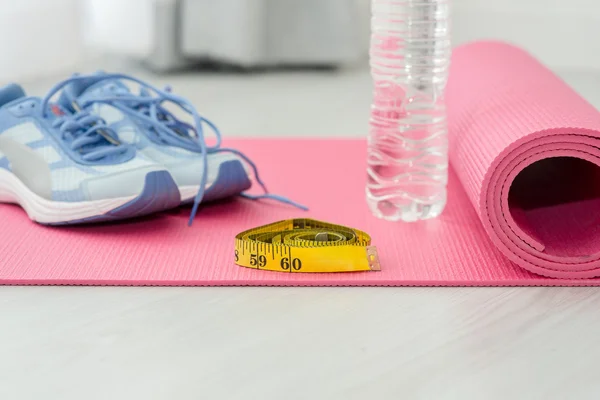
point(306, 245)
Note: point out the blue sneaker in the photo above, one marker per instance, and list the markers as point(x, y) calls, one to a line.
point(201, 172)
point(67, 167)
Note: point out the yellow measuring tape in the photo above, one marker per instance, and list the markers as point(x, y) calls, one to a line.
point(306, 245)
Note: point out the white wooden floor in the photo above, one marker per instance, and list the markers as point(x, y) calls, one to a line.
point(73, 343)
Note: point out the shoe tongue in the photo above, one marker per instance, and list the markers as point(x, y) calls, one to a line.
point(92, 87)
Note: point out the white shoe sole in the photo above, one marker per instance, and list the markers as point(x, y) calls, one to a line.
point(45, 211)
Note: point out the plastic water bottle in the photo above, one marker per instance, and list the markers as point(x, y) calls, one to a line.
point(408, 142)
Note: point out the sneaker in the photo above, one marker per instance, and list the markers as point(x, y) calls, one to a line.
point(201, 172)
point(67, 167)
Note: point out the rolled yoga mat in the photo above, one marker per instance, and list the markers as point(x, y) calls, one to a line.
point(523, 195)
point(526, 149)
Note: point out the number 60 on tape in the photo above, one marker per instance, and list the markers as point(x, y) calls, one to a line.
point(306, 245)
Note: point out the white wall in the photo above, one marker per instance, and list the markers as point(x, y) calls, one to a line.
point(43, 37)
point(562, 33)
point(121, 26)
point(38, 37)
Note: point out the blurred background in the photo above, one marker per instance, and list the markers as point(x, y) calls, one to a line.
point(269, 67)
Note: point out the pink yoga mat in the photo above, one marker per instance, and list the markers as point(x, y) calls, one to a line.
point(525, 147)
point(506, 111)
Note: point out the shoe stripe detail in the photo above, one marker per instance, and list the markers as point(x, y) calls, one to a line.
point(4, 163)
point(49, 154)
point(40, 143)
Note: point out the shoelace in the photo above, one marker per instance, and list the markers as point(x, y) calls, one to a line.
point(86, 134)
point(159, 113)
point(169, 129)
point(82, 131)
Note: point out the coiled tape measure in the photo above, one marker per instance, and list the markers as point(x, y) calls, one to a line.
point(306, 245)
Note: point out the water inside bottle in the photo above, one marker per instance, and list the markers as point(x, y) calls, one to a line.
point(408, 142)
